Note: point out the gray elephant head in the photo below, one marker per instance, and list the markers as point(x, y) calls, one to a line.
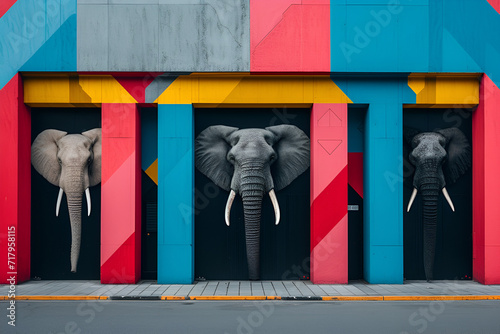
point(440, 158)
point(72, 163)
point(250, 162)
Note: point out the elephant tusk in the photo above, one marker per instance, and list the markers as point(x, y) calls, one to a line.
point(276, 206)
point(58, 204)
point(87, 194)
point(412, 198)
point(229, 203)
point(448, 199)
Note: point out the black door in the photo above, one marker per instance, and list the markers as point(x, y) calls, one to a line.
point(220, 250)
point(149, 189)
point(453, 259)
point(51, 235)
point(356, 120)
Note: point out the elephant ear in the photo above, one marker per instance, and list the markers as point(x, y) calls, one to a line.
point(44, 155)
point(292, 147)
point(95, 168)
point(459, 153)
point(408, 135)
point(211, 148)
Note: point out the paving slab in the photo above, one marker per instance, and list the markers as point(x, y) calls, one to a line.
point(255, 289)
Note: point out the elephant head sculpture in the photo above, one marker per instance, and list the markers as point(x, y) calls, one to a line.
point(71, 162)
point(250, 162)
point(440, 158)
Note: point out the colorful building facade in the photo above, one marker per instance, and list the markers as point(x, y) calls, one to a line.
point(152, 69)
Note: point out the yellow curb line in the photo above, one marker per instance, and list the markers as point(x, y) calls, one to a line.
point(431, 298)
point(174, 298)
point(234, 298)
point(325, 298)
point(55, 298)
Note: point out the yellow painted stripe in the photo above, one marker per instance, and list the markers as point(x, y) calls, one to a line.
point(252, 90)
point(56, 298)
point(75, 90)
point(325, 298)
point(152, 171)
point(453, 90)
point(432, 298)
point(174, 298)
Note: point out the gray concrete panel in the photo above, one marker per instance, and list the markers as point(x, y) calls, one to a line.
point(158, 86)
point(92, 38)
point(196, 35)
point(133, 38)
point(213, 36)
point(133, 2)
point(181, 2)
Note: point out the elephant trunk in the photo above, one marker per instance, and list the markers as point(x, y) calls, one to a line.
point(252, 191)
point(430, 194)
point(74, 188)
point(75, 218)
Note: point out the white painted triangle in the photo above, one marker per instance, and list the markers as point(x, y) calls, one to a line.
point(329, 145)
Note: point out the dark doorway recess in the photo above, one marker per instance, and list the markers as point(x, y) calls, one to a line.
point(220, 250)
point(355, 235)
point(356, 136)
point(51, 235)
point(453, 259)
point(149, 231)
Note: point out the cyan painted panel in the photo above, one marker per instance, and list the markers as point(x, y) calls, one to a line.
point(175, 124)
point(385, 3)
point(383, 189)
point(213, 36)
point(387, 267)
point(133, 37)
point(175, 194)
point(27, 26)
point(413, 38)
point(474, 25)
point(175, 264)
point(375, 38)
point(92, 36)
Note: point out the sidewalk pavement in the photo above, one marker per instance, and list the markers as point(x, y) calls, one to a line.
point(251, 290)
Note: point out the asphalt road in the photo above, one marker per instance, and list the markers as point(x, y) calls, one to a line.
point(252, 317)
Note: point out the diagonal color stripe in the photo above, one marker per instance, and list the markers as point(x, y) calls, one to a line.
point(118, 210)
point(329, 207)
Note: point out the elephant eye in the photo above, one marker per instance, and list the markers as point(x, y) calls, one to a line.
point(230, 156)
point(273, 157)
point(59, 161)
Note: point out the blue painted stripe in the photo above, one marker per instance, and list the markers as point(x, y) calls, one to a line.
point(27, 26)
point(383, 194)
point(175, 194)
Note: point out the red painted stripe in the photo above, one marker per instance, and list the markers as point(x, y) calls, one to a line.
point(495, 4)
point(135, 86)
point(329, 208)
point(5, 6)
point(486, 182)
point(120, 267)
point(15, 180)
point(120, 193)
point(286, 36)
point(355, 167)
